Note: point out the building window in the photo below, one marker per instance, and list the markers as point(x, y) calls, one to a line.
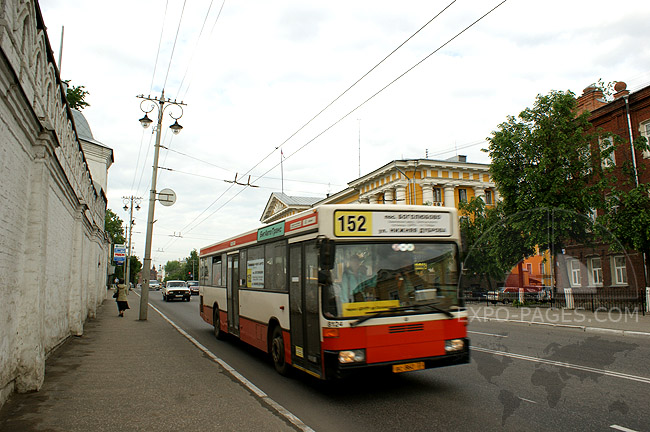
point(541, 269)
point(644, 128)
point(437, 195)
point(529, 268)
point(595, 271)
point(462, 195)
point(574, 268)
point(619, 270)
point(607, 143)
point(488, 197)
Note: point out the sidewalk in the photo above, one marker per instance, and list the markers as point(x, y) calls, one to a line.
point(614, 322)
point(125, 374)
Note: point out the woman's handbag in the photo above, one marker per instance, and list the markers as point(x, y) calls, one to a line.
point(115, 294)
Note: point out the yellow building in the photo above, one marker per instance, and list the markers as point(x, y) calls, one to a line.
point(410, 181)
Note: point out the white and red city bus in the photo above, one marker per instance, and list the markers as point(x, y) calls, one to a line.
point(339, 288)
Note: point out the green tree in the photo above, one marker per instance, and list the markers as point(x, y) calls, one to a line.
point(173, 270)
point(185, 269)
point(113, 227)
point(135, 266)
point(491, 245)
point(544, 168)
point(192, 266)
point(76, 96)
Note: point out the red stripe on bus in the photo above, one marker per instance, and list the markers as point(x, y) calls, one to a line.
point(248, 238)
point(302, 222)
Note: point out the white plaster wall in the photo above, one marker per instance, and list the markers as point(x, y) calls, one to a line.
point(53, 248)
point(14, 187)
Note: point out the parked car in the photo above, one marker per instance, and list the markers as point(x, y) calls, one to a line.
point(154, 284)
point(532, 293)
point(193, 286)
point(176, 289)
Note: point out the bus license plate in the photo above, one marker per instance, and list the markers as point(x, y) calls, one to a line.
point(407, 367)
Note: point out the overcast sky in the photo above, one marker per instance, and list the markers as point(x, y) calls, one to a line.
point(254, 76)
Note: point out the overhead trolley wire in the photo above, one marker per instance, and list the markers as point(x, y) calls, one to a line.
point(354, 84)
point(328, 105)
point(385, 87)
point(338, 121)
point(162, 29)
point(180, 20)
point(197, 44)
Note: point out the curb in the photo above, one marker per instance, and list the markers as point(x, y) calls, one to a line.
point(585, 329)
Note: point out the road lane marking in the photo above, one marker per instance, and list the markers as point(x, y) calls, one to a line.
point(564, 365)
point(252, 387)
point(487, 334)
point(621, 428)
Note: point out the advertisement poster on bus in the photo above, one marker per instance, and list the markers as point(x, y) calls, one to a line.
point(255, 273)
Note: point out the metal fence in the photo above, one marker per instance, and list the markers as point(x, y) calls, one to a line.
point(601, 299)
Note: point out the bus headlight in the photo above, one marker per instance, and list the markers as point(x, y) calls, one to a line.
point(454, 345)
point(352, 356)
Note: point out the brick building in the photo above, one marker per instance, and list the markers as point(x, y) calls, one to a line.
point(597, 268)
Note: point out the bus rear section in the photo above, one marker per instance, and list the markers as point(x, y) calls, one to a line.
point(378, 294)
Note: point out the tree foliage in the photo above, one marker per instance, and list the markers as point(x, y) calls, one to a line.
point(185, 269)
point(135, 266)
point(491, 245)
point(544, 168)
point(76, 96)
point(113, 227)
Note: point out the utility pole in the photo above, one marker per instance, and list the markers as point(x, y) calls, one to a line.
point(129, 207)
point(162, 103)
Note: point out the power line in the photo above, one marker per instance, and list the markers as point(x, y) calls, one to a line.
point(331, 103)
point(339, 120)
point(350, 87)
point(230, 171)
point(197, 44)
point(386, 86)
point(180, 20)
point(155, 65)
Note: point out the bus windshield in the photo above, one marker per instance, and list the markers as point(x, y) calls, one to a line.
point(368, 278)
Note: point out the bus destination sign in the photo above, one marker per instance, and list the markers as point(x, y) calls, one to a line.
point(391, 224)
point(271, 231)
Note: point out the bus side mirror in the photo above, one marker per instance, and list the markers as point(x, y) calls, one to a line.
point(327, 254)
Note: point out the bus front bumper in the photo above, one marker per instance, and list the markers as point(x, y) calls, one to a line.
point(334, 369)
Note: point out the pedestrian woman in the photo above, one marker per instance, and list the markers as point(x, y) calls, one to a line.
point(120, 298)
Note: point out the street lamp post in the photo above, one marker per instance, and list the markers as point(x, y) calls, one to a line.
point(145, 121)
point(127, 263)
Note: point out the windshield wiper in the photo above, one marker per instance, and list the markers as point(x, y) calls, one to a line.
point(401, 308)
point(434, 306)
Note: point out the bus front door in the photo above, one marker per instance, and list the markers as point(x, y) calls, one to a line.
point(232, 284)
point(303, 297)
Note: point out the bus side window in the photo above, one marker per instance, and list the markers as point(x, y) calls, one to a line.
point(275, 272)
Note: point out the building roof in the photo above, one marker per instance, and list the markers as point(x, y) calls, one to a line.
point(279, 202)
point(83, 130)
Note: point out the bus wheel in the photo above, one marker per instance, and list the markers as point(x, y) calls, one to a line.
point(277, 351)
point(217, 324)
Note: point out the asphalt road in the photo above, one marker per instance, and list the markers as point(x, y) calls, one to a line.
point(520, 378)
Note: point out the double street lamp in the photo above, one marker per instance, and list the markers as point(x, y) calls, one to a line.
point(147, 105)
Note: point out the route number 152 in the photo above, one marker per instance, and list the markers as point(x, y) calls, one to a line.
point(352, 224)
